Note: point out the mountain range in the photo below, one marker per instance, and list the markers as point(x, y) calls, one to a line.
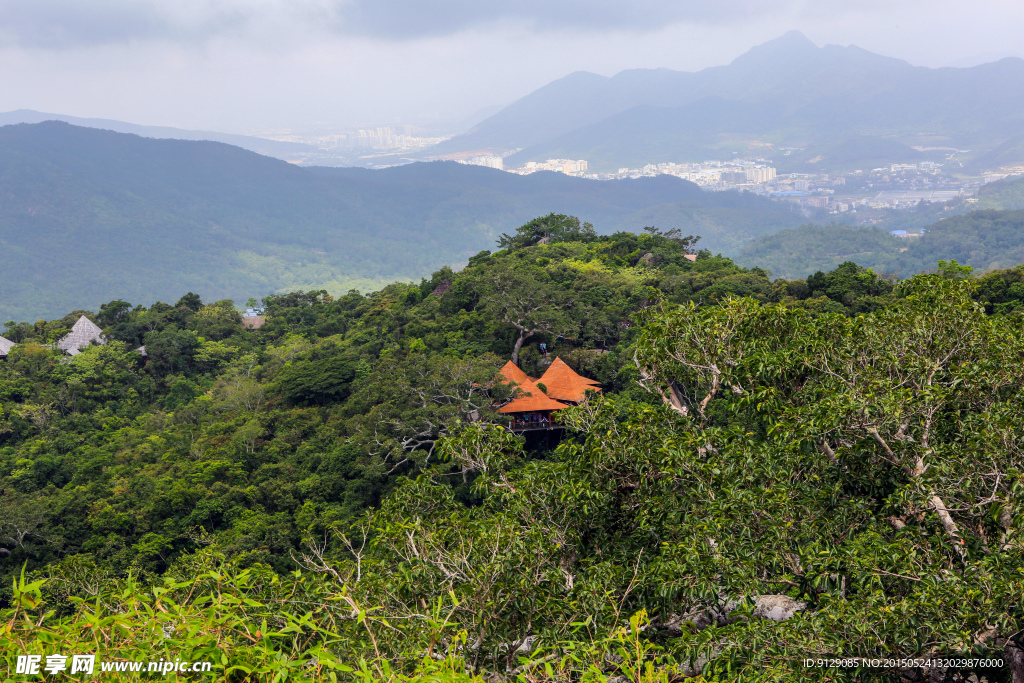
point(89, 215)
point(288, 151)
point(807, 108)
point(831, 108)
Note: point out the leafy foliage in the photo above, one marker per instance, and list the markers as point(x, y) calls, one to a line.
point(984, 239)
point(775, 471)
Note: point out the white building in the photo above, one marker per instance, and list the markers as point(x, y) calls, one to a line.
point(760, 174)
point(484, 160)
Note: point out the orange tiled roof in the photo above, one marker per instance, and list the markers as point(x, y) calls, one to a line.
point(512, 373)
point(532, 401)
point(564, 384)
point(530, 397)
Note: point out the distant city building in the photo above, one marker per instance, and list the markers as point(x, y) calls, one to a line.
point(759, 175)
point(911, 197)
point(567, 166)
point(381, 139)
point(485, 160)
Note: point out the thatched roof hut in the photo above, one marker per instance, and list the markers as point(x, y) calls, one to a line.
point(5, 347)
point(82, 335)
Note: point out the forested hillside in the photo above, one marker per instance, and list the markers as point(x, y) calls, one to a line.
point(90, 215)
point(772, 471)
point(1007, 193)
point(983, 239)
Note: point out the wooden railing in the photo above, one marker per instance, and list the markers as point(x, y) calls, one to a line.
point(522, 425)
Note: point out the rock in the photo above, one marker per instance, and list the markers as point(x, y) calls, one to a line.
point(777, 607)
point(774, 607)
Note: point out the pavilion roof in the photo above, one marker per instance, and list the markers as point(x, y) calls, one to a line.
point(81, 335)
point(564, 384)
point(513, 373)
point(533, 400)
point(5, 346)
point(530, 398)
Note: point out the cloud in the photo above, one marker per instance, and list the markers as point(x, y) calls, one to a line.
point(60, 24)
point(57, 24)
point(50, 23)
point(415, 18)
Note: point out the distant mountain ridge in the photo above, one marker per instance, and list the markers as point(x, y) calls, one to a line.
point(90, 215)
point(271, 148)
point(787, 92)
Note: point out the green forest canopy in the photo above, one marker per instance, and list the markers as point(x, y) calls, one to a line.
point(774, 471)
point(90, 215)
point(984, 239)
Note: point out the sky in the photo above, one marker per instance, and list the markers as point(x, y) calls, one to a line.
point(247, 66)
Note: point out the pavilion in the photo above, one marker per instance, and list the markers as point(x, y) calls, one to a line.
point(563, 384)
point(532, 408)
point(81, 336)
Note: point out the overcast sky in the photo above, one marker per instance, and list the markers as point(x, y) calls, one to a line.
point(244, 65)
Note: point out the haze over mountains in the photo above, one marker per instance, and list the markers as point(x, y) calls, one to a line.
point(808, 108)
point(272, 148)
point(87, 216)
point(839, 106)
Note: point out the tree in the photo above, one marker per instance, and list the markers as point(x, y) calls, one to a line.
point(548, 229)
point(110, 313)
point(20, 517)
point(913, 410)
point(191, 301)
point(675, 237)
point(414, 401)
point(524, 298)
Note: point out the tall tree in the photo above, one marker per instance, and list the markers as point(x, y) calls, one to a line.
point(525, 299)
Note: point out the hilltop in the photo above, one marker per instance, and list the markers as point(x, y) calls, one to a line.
point(87, 215)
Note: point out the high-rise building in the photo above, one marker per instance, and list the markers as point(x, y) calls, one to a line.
point(484, 160)
point(760, 175)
